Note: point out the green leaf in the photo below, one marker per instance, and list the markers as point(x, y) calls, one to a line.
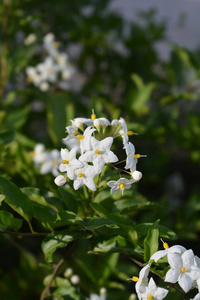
point(64, 218)
point(95, 222)
point(2, 197)
point(17, 200)
point(7, 221)
point(60, 239)
point(67, 293)
point(127, 205)
point(6, 137)
point(163, 231)
point(151, 242)
point(101, 211)
point(17, 118)
point(69, 199)
point(115, 244)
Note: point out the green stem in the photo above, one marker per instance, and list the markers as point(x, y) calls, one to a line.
point(30, 226)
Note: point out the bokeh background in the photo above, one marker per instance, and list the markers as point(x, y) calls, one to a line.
point(139, 60)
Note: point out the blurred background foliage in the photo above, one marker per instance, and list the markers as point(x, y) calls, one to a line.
point(120, 73)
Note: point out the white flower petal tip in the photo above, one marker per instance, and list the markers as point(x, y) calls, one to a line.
point(60, 180)
point(136, 175)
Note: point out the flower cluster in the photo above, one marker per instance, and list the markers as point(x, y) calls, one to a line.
point(46, 161)
point(56, 69)
point(89, 141)
point(184, 270)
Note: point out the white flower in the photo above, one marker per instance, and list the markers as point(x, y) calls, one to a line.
point(51, 163)
point(124, 131)
point(38, 154)
point(100, 153)
point(33, 76)
point(183, 269)
point(174, 249)
point(137, 175)
point(48, 70)
point(69, 162)
point(120, 184)
point(142, 281)
point(131, 160)
point(85, 139)
point(75, 279)
point(60, 180)
point(30, 39)
point(101, 123)
point(97, 297)
point(152, 292)
point(85, 176)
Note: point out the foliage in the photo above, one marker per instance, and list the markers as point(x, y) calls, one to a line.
point(103, 238)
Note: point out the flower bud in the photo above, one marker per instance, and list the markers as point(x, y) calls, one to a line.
point(75, 279)
point(137, 175)
point(60, 180)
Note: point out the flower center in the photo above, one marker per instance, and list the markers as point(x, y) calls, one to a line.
point(65, 162)
point(80, 137)
point(80, 174)
point(137, 155)
point(50, 70)
point(165, 246)
point(183, 270)
point(121, 186)
point(93, 116)
point(135, 278)
point(32, 153)
point(56, 45)
point(30, 79)
point(55, 162)
point(129, 132)
point(150, 297)
point(98, 152)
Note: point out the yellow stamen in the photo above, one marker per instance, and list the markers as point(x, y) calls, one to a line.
point(183, 270)
point(137, 155)
point(121, 186)
point(32, 153)
point(150, 297)
point(29, 79)
point(65, 162)
point(80, 174)
point(55, 162)
point(130, 132)
point(93, 116)
point(56, 45)
point(165, 246)
point(80, 137)
point(135, 278)
point(98, 152)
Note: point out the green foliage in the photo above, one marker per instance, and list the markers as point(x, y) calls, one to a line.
point(98, 235)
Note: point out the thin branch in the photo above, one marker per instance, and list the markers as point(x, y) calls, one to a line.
point(46, 291)
point(22, 234)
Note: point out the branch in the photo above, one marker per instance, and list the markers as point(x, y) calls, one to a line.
point(22, 234)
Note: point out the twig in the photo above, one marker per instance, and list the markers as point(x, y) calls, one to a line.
point(22, 234)
point(46, 291)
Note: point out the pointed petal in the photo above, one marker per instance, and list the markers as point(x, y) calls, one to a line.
point(175, 260)
point(159, 254)
point(172, 275)
point(185, 282)
point(188, 258)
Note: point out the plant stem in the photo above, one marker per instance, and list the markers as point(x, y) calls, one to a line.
point(3, 60)
point(46, 291)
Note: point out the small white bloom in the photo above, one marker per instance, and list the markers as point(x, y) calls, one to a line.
point(100, 153)
point(85, 175)
point(51, 163)
point(142, 281)
point(161, 253)
point(30, 39)
point(60, 180)
point(183, 269)
point(136, 175)
point(152, 292)
point(121, 184)
point(38, 154)
point(69, 162)
point(68, 272)
point(75, 279)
